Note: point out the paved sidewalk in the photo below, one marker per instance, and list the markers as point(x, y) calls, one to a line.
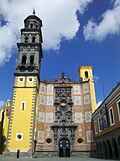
point(53, 159)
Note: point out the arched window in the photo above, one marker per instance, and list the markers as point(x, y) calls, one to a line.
point(33, 39)
point(24, 58)
point(31, 60)
point(86, 74)
point(26, 39)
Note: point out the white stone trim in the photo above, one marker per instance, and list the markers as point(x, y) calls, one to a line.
point(111, 109)
point(20, 79)
point(21, 105)
point(18, 138)
point(30, 79)
point(118, 109)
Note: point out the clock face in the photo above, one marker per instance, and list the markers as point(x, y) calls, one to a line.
point(63, 103)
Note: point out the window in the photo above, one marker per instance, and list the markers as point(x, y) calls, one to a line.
point(85, 88)
point(49, 100)
point(111, 116)
point(24, 58)
point(42, 88)
point(48, 140)
point(95, 127)
point(86, 99)
point(79, 140)
point(86, 74)
point(42, 99)
point(77, 100)
point(49, 117)
point(21, 79)
point(118, 108)
point(30, 79)
point(88, 116)
point(99, 124)
point(23, 105)
point(89, 136)
point(76, 89)
point(49, 89)
point(41, 116)
point(105, 122)
point(40, 136)
point(78, 117)
point(19, 136)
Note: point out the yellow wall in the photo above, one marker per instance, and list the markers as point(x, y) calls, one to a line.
point(81, 71)
point(22, 120)
point(5, 125)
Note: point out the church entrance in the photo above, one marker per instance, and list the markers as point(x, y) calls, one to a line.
point(64, 148)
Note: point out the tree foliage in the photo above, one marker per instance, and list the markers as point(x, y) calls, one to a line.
point(2, 146)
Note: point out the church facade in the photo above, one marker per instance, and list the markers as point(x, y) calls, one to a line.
point(48, 119)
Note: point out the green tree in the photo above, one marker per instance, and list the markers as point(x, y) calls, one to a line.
point(2, 137)
point(2, 145)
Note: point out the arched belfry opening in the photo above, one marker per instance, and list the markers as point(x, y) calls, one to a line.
point(64, 148)
point(33, 39)
point(86, 74)
point(26, 39)
point(24, 59)
point(31, 60)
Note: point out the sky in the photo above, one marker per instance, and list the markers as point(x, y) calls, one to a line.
point(75, 33)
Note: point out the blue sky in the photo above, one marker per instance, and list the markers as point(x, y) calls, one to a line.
point(82, 32)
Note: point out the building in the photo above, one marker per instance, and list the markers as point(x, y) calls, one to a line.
point(64, 116)
point(106, 121)
point(4, 119)
point(48, 118)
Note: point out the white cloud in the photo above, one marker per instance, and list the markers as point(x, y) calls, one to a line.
point(110, 24)
point(2, 103)
point(59, 20)
point(98, 104)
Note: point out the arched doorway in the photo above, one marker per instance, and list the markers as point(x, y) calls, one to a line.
point(109, 149)
point(100, 150)
point(64, 148)
point(104, 150)
point(119, 146)
point(115, 148)
point(97, 150)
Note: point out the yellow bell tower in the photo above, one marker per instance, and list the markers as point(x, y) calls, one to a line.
point(21, 139)
point(85, 73)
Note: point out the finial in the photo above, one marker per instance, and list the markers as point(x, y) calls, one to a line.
point(34, 11)
point(63, 74)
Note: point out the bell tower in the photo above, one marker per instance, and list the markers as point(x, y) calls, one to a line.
point(30, 49)
point(86, 75)
point(21, 133)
